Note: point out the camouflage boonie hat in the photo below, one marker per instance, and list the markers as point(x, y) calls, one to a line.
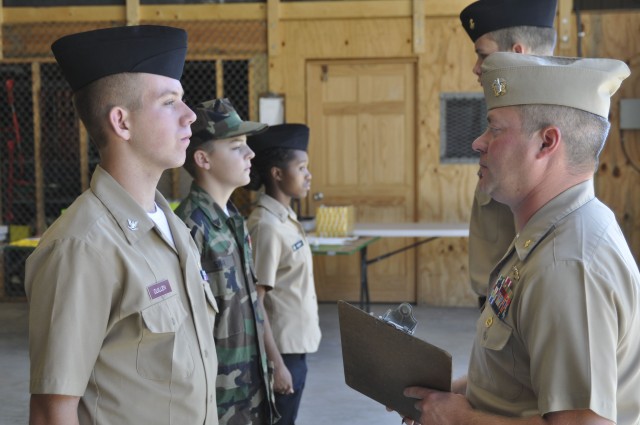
point(217, 119)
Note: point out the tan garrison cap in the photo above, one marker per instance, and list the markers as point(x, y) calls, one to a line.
point(582, 83)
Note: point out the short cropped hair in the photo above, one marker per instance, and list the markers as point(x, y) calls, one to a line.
point(540, 40)
point(93, 102)
point(584, 133)
point(190, 162)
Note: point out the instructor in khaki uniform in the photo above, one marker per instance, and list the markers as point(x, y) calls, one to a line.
point(558, 341)
point(121, 319)
point(520, 26)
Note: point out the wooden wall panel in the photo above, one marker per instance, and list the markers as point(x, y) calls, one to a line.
point(33, 40)
point(331, 39)
point(383, 31)
point(617, 35)
point(445, 192)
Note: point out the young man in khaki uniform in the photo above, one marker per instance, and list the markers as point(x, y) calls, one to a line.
point(121, 319)
point(558, 341)
point(510, 26)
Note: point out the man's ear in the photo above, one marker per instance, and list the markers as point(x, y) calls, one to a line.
point(550, 138)
point(519, 48)
point(119, 122)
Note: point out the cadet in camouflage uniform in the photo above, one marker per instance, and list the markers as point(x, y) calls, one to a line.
point(219, 160)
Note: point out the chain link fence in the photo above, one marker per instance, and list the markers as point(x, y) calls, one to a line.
point(46, 159)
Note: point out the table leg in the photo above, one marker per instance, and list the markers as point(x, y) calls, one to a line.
point(2, 282)
point(364, 281)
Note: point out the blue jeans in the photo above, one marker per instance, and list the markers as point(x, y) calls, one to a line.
point(288, 404)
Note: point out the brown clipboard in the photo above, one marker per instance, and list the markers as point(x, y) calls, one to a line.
point(380, 360)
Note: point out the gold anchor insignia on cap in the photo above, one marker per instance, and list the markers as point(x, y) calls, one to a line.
point(499, 87)
point(132, 224)
point(472, 24)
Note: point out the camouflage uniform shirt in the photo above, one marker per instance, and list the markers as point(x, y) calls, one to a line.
point(243, 389)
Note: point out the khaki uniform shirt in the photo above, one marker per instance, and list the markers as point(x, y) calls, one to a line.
point(284, 264)
point(491, 231)
point(560, 328)
point(119, 317)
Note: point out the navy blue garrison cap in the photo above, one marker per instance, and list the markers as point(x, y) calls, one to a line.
point(287, 136)
point(88, 56)
point(485, 16)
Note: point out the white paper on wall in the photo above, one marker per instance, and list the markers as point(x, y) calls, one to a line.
point(272, 110)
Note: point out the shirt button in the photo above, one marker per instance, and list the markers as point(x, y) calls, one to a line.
point(489, 322)
point(211, 399)
point(206, 354)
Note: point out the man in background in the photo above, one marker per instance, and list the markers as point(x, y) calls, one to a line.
point(501, 26)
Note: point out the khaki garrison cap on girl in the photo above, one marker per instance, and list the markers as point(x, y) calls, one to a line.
point(587, 84)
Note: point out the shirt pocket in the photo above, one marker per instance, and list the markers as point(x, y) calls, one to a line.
point(495, 369)
point(164, 348)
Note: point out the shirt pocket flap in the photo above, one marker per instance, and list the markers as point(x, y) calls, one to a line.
point(210, 298)
point(496, 335)
point(165, 316)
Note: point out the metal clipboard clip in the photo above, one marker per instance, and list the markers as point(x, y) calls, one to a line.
point(401, 318)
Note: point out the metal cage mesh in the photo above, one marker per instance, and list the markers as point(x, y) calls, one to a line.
point(462, 120)
point(45, 162)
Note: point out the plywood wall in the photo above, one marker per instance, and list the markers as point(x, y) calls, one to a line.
point(299, 32)
point(444, 192)
point(617, 35)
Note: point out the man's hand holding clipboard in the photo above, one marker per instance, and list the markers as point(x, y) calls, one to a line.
point(382, 359)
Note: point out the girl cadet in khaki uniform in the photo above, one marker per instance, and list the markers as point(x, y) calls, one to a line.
point(283, 262)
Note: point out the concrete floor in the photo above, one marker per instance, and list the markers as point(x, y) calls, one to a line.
point(326, 400)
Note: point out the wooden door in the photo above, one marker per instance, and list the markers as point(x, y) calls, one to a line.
point(362, 152)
